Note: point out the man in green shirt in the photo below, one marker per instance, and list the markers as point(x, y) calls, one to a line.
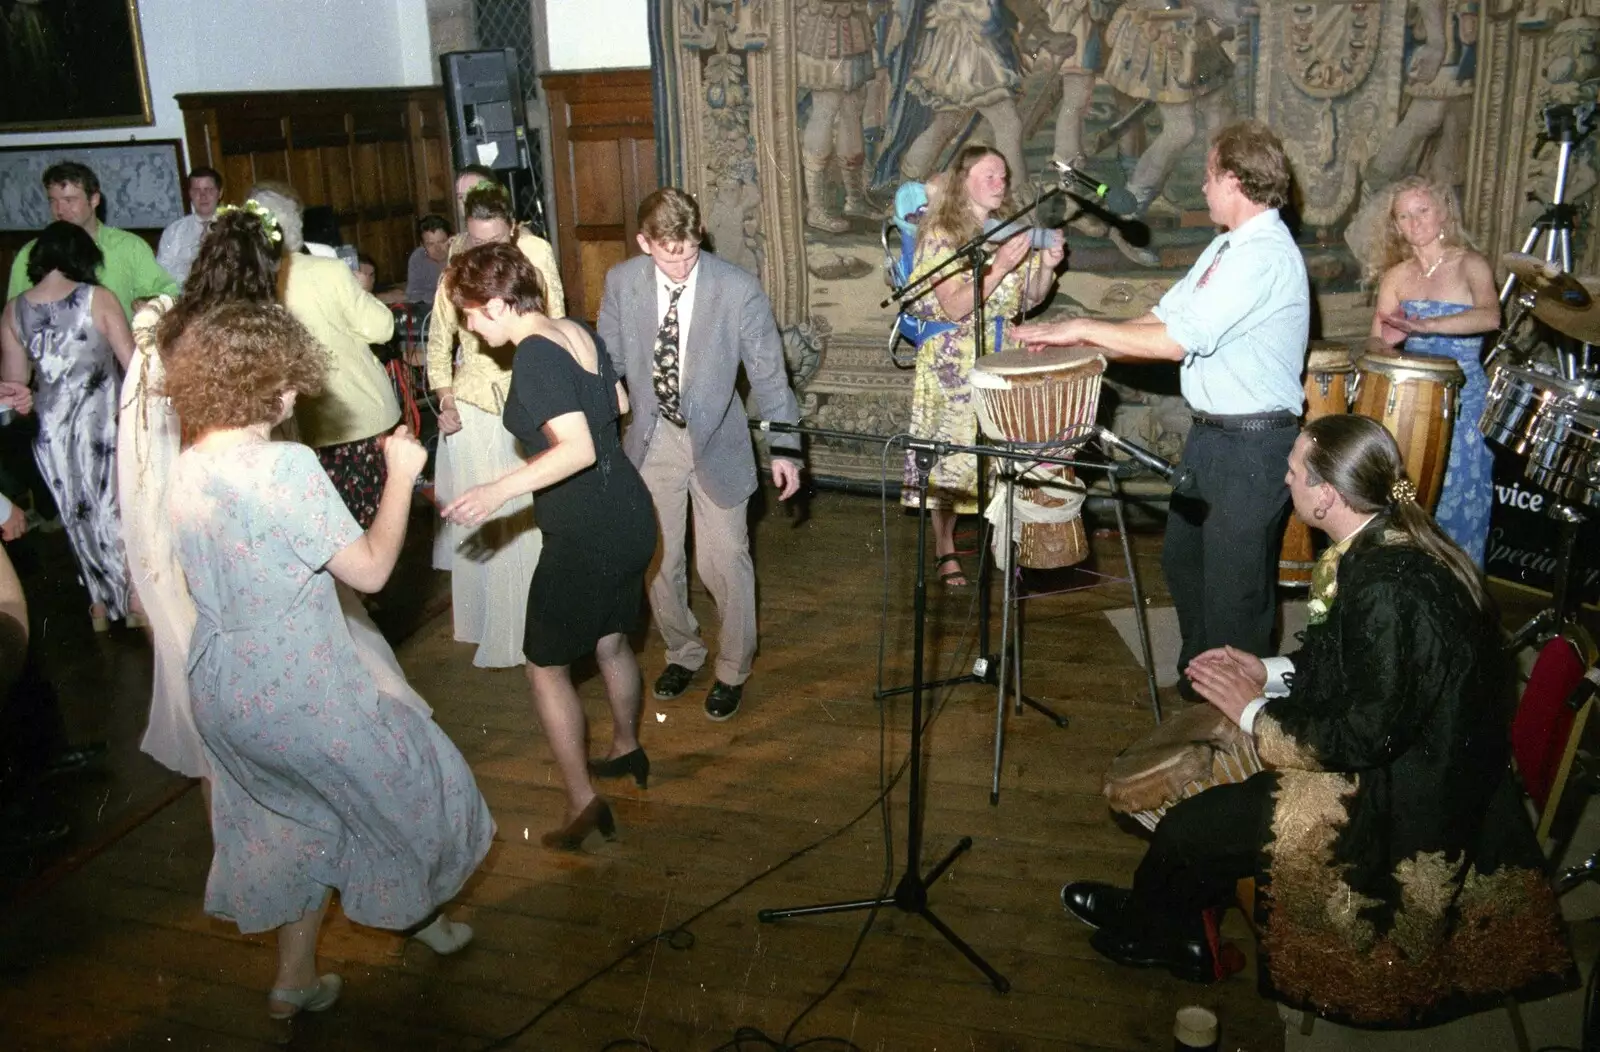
point(130, 269)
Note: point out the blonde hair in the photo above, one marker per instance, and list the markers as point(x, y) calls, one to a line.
point(1389, 249)
point(951, 212)
point(286, 207)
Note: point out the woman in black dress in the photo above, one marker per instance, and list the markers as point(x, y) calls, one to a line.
point(599, 529)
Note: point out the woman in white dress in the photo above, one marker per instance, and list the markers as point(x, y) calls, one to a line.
point(491, 564)
point(237, 262)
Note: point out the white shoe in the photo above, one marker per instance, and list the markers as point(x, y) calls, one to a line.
point(318, 997)
point(444, 936)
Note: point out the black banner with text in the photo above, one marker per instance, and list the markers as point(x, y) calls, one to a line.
point(1524, 542)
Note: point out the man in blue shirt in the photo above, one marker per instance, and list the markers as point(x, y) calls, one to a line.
point(1237, 323)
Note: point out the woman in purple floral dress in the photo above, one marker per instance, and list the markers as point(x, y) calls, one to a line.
point(320, 781)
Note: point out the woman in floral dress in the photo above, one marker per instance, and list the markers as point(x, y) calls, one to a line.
point(320, 780)
point(976, 188)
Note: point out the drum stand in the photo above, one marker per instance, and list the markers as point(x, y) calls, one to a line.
point(1555, 617)
point(1011, 616)
point(973, 255)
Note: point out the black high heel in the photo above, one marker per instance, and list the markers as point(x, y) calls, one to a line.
point(570, 837)
point(634, 763)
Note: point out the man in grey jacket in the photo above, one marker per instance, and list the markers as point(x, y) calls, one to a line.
point(678, 323)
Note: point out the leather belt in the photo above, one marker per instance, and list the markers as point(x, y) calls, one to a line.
point(1274, 421)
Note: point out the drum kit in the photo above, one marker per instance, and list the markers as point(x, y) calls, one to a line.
point(1551, 415)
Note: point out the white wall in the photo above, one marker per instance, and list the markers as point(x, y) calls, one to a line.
point(265, 45)
point(598, 34)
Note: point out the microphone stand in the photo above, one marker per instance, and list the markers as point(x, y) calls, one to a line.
point(973, 255)
point(910, 895)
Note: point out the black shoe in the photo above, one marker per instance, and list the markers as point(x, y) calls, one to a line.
point(723, 701)
point(1094, 903)
point(1189, 959)
point(634, 763)
point(74, 759)
point(673, 681)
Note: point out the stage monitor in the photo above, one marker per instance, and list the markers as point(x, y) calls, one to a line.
point(483, 92)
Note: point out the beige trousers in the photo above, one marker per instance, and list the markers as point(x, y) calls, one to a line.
point(721, 558)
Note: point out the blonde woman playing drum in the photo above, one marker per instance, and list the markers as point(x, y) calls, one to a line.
point(1437, 297)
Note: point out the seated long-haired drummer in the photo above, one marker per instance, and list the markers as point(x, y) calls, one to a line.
point(1237, 322)
point(1399, 878)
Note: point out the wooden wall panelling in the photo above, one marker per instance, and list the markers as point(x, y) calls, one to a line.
point(379, 157)
point(602, 143)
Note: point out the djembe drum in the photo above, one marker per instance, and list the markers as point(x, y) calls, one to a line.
point(1415, 398)
point(1330, 366)
point(1041, 397)
point(1187, 754)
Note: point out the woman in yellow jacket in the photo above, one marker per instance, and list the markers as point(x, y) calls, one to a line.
point(357, 405)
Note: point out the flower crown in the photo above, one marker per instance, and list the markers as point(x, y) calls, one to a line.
point(269, 222)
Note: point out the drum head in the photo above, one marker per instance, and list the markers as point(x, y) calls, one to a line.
point(1392, 362)
point(997, 368)
point(1331, 356)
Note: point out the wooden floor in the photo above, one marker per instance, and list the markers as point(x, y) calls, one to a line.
point(775, 807)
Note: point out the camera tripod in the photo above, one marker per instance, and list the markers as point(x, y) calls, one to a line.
point(1566, 126)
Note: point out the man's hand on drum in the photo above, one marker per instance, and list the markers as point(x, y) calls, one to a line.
point(1041, 334)
point(1228, 678)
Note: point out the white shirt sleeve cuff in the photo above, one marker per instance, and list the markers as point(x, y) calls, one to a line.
point(1247, 718)
point(1278, 671)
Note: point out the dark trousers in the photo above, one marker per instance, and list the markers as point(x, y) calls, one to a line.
point(1221, 552)
point(1200, 851)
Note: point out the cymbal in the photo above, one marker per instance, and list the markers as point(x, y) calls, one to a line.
point(1581, 323)
point(1568, 304)
point(1546, 278)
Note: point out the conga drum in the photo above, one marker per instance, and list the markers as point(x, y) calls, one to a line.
point(1415, 398)
point(1042, 397)
point(1330, 367)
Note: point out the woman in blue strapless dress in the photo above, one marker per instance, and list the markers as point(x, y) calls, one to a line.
point(1437, 296)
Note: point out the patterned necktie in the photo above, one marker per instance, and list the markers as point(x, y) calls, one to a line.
point(665, 379)
point(1211, 269)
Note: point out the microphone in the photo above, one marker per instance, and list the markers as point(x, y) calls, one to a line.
point(1042, 236)
point(1114, 198)
point(1182, 479)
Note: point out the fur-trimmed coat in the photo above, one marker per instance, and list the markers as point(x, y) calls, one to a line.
point(1401, 882)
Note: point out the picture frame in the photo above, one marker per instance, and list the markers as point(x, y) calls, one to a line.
point(53, 46)
point(141, 183)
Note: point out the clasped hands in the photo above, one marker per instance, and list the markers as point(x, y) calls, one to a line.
point(1228, 678)
point(1395, 327)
